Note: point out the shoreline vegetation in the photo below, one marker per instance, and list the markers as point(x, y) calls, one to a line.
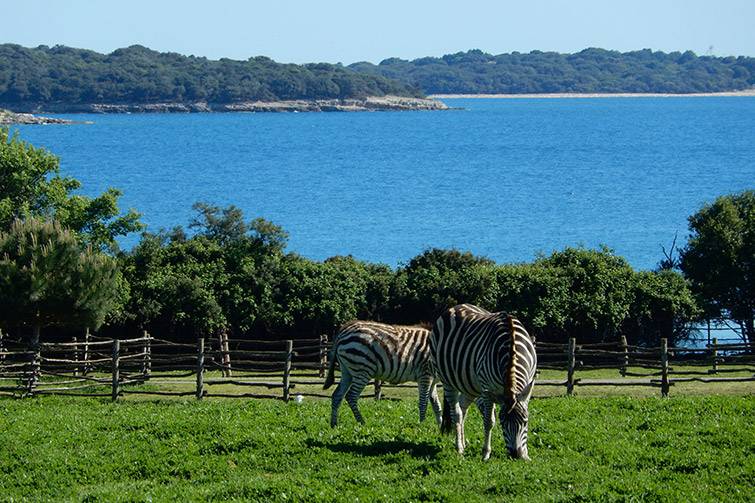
point(741, 93)
point(136, 79)
point(64, 79)
point(589, 71)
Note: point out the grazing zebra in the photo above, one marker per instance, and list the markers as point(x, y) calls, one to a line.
point(368, 350)
point(487, 355)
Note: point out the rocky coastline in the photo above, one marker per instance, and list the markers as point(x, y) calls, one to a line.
point(8, 118)
point(369, 104)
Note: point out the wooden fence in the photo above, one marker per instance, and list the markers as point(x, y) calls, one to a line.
point(240, 368)
point(646, 366)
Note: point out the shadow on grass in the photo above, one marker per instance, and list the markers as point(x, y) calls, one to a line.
point(379, 448)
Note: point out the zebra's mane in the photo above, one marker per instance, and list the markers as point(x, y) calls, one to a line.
point(510, 370)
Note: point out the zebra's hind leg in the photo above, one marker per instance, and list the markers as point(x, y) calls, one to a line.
point(338, 395)
point(488, 421)
point(357, 385)
point(464, 402)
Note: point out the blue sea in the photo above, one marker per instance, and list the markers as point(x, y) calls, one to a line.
point(507, 179)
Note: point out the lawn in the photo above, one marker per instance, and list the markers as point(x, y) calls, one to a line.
point(686, 448)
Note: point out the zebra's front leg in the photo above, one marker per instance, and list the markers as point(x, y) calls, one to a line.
point(451, 404)
point(428, 390)
point(338, 395)
point(423, 388)
point(435, 402)
point(355, 391)
point(488, 420)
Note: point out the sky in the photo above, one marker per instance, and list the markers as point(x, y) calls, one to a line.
point(299, 31)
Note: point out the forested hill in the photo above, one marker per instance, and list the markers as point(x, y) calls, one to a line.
point(588, 71)
point(48, 75)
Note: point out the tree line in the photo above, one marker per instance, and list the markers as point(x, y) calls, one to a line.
point(35, 77)
point(60, 74)
point(60, 266)
point(589, 71)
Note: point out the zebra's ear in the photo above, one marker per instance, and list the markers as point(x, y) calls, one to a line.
point(510, 407)
point(525, 393)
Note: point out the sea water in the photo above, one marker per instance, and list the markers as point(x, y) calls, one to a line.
point(507, 179)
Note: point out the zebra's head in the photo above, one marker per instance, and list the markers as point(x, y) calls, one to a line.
point(514, 419)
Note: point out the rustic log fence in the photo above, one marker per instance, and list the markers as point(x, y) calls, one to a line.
point(99, 367)
point(645, 366)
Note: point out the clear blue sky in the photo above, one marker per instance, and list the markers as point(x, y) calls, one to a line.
point(347, 31)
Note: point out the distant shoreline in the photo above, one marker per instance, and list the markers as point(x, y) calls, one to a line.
point(368, 104)
point(746, 92)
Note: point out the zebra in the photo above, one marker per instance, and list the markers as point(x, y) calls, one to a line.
point(489, 357)
point(369, 350)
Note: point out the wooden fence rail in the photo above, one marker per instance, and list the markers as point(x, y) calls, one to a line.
point(150, 366)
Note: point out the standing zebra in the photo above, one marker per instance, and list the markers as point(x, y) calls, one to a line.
point(368, 350)
point(488, 355)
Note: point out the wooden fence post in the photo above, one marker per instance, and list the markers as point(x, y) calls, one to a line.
point(714, 351)
point(225, 358)
point(664, 367)
point(2, 346)
point(200, 368)
point(625, 364)
point(147, 358)
point(116, 363)
point(87, 367)
point(323, 354)
point(287, 369)
point(36, 367)
point(378, 389)
point(76, 356)
point(571, 363)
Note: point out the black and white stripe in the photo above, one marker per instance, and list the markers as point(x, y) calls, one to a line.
point(368, 350)
point(477, 353)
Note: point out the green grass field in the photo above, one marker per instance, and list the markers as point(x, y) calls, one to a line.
point(686, 448)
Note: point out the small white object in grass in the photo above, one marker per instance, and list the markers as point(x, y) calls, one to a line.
point(298, 398)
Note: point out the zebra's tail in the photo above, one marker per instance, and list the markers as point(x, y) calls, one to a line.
point(445, 422)
point(331, 377)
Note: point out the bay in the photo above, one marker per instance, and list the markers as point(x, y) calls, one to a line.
point(507, 179)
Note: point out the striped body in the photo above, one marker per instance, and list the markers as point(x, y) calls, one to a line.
point(368, 350)
point(487, 355)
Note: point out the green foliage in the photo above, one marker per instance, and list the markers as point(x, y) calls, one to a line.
point(236, 276)
point(588, 71)
point(175, 285)
point(46, 76)
point(31, 185)
point(663, 306)
point(47, 278)
point(719, 258)
point(438, 279)
point(604, 449)
point(537, 294)
point(599, 286)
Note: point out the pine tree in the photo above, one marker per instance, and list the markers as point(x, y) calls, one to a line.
point(47, 278)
